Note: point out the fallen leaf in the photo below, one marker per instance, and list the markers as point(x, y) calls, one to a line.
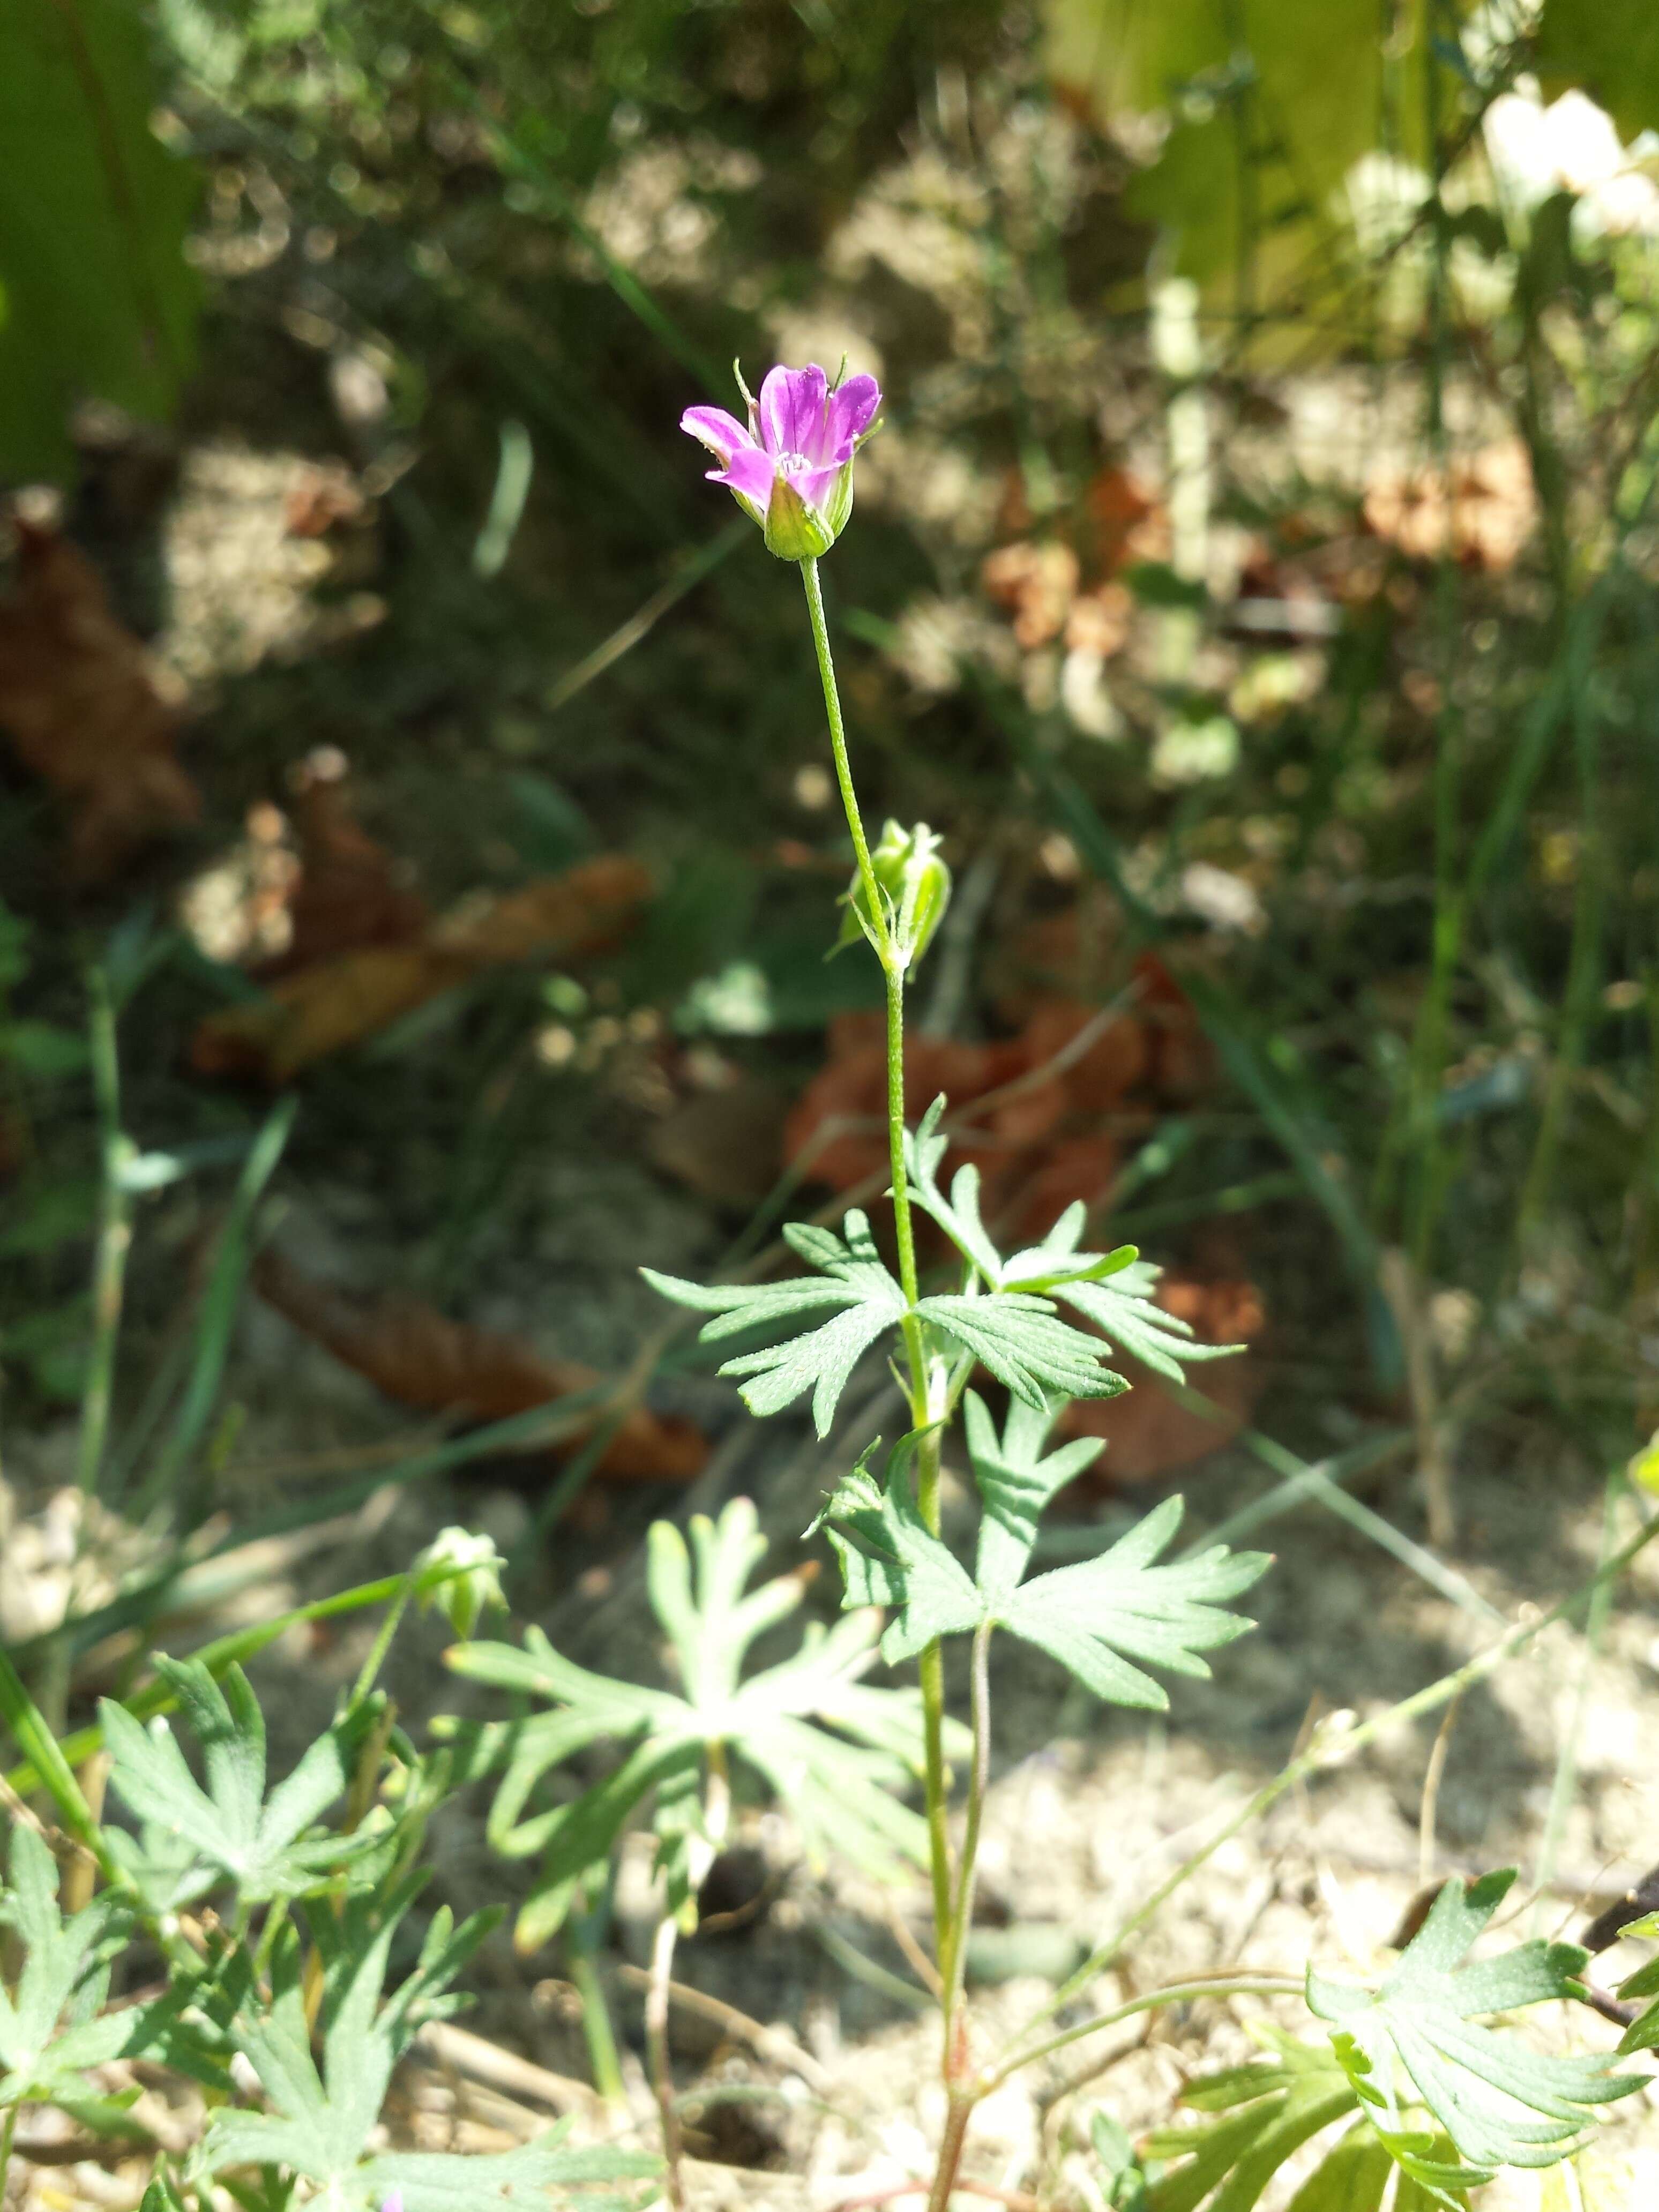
point(1043, 1138)
point(349, 891)
point(418, 1357)
point(726, 1145)
point(339, 1001)
point(1130, 523)
point(1036, 582)
point(80, 707)
point(1483, 508)
point(1148, 1432)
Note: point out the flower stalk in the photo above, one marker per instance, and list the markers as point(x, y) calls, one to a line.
point(927, 1378)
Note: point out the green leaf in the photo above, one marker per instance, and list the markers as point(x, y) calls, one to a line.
point(1086, 1616)
point(853, 1284)
point(840, 1755)
point(321, 2119)
point(1609, 48)
point(1244, 91)
point(52, 2025)
point(1025, 1345)
point(1268, 2111)
point(1016, 1482)
point(225, 1828)
point(1417, 2038)
point(1120, 1602)
point(96, 300)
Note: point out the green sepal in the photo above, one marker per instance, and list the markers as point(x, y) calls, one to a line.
point(796, 531)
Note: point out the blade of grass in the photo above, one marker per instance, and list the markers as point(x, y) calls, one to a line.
point(49, 1762)
point(220, 1306)
point(48, 1767)
point(114, 1236)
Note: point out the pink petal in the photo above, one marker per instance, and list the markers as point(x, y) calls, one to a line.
point(815, 485)
point(751, 472)
point(722, 433)
point(792, 410)
point(852, 410)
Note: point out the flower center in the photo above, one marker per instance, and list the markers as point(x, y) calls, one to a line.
point(793, 465)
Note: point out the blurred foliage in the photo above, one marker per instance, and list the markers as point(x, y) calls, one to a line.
point(96, 299)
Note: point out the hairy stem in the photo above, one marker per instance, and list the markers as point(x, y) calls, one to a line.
point(959, 2111)
point(923, 1417)
point(953, 1966)
point(656, 2046)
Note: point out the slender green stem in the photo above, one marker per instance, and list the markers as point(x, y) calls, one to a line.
point(382, 1644)
point(597, 2031)
point(114, 1236)
point(953, 1966)
point(1248, 1985)
point(7, 2125)
point(1330, 1748)
point(923, 1413)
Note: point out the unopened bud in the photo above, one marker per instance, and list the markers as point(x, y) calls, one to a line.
point(459, 1574)
point(915, 885)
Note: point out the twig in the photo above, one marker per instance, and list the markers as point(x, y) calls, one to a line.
point(1016, 2199)
point(658, 1984)
point(1437, 1767)
point(1403, 1289)
point(775, 2044)
point(480, 2060)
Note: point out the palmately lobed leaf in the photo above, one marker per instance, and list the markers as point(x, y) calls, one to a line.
point(1418, 2038)
point(52, 2027)
point(1095, 1618)
point(231, 1830)
point(841, 1754)
point(852, 1284)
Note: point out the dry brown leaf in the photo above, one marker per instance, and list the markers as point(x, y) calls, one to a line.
point(1054, 1137)
point(78, 701)
point(1147, 1432)
point(339, 1001)
point(415, 1355)
point(1036, 583)
point(1486, 518)
point(1100, 621)
point(1130, 525)
point(726, 1145)
point(349, 892)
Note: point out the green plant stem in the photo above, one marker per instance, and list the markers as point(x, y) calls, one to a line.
point(7, 2125)
point(114, 1236)
point(382, 1644)
point(1330, 1748)
point(1248, 1985)
point(953, 1964)
point(597, 2030)
point(931, 1665)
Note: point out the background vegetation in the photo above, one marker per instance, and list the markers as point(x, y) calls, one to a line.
point(415, 841)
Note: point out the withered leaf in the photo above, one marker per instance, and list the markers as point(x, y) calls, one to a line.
point(419, 1357)
point(82, 708)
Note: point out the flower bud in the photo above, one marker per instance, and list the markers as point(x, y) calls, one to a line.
point(915, 888)
point(459, 1574)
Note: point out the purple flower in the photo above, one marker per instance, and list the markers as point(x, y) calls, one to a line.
point(393, 2201)
point(791, 470)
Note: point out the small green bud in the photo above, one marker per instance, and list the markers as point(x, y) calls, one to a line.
point(915, 887)
point(460, 1575)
